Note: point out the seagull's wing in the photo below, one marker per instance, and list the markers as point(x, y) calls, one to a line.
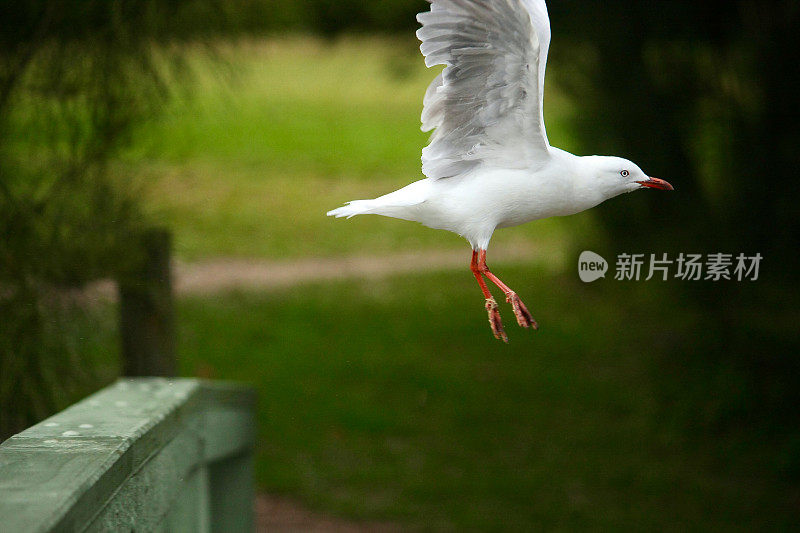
point(486, 105)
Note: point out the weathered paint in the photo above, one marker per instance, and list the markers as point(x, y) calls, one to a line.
point(144, 454)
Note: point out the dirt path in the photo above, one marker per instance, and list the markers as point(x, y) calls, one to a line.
point(277, 514)
point(224, 274)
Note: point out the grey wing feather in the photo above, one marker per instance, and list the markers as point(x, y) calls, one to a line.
point(486, 105)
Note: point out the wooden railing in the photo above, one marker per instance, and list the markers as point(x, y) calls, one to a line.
point(148, 454)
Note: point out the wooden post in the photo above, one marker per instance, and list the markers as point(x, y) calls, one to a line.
point(147, 319)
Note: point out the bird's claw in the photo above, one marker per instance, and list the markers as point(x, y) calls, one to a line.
point(494, 320)
point(524, 317)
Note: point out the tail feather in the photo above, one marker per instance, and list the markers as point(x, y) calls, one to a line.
point(398, 204)
point(351, 209)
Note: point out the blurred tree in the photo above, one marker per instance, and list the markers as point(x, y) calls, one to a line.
point(325, 17)
point(334, 16)
point(75, 77)
point(704, 94)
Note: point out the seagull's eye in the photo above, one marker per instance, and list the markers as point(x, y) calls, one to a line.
point(624, 173)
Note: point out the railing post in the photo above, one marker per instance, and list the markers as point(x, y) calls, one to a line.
point(147, 320)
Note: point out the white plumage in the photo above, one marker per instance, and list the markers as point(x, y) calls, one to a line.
point(489, 164)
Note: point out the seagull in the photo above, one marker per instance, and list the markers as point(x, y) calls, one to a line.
point(489, 164)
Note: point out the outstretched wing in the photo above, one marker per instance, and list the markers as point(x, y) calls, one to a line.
point(486, 105)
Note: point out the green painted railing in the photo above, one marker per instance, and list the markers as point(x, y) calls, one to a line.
point(149, 454)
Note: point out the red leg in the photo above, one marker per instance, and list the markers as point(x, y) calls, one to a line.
point(524, 317)
point(491, 305)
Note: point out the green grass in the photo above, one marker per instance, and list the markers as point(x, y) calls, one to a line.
point(390, 400)
point(268, 135)
point(262, 137)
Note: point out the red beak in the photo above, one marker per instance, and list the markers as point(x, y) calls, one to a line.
point(655, 183)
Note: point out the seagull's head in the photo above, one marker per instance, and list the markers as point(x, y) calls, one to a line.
point(615, 175)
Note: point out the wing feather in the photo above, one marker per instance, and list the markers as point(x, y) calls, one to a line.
point(486, 105)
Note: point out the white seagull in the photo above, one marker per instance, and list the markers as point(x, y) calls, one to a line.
point(489, 164)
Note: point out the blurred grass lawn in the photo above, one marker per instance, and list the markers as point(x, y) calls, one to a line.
point(274, 133)
point(390, 400)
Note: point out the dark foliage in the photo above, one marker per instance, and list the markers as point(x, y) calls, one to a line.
point(704, 94)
